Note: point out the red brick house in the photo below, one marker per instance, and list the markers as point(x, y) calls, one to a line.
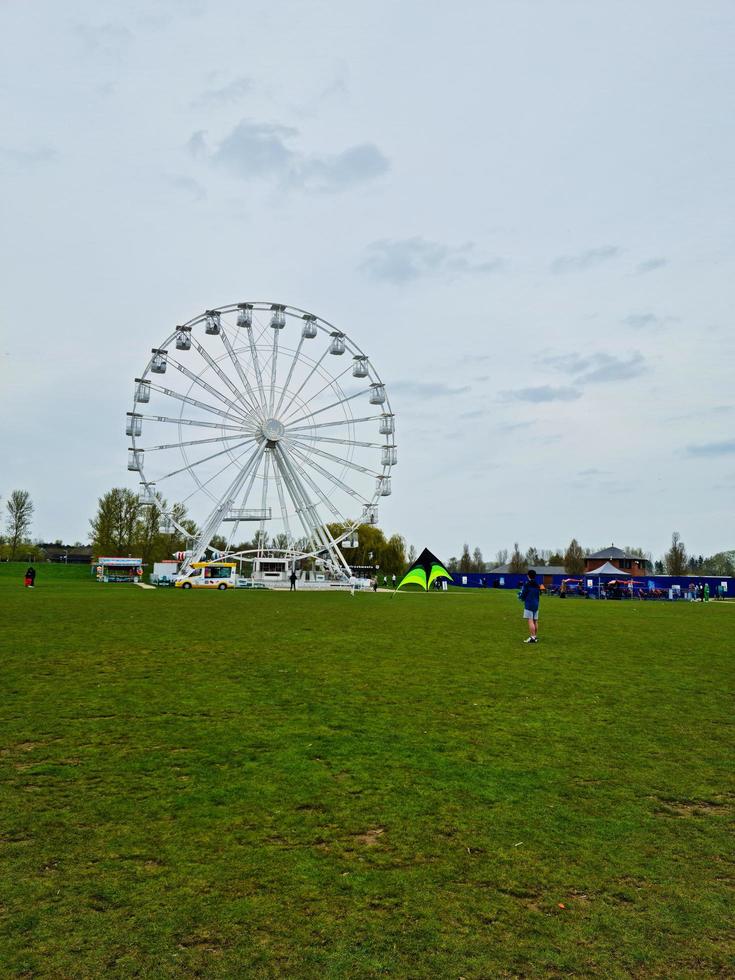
point(630, 564)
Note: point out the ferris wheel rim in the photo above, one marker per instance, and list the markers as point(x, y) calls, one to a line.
point(298, 440)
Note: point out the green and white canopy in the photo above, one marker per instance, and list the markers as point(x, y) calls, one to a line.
point(425, 571)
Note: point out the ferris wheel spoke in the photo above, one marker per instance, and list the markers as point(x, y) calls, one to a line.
point(303, 458)
point(329, 384)
point(214, 519)
point(256, 365)
point(306, 380)
point(203, 486)
point(323, 497)
point(274, 362)
point(339, 442)
point(188, 400)
point(342, 401)
point(329, 425)
point(202, 424)
point(337, 459)
point(190, 442)
point(208, 388)
point(204, 459)
point(245, 497)
point(254, 407)
point(294, 361)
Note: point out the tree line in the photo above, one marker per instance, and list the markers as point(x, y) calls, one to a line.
point(124, 526)
point(675, 561)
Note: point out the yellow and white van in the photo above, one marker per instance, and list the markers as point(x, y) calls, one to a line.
point(210, 575)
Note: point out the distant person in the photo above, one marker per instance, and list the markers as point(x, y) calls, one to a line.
point(30, 578)
point(706, 591)
point(530, 596)
point(563, 590)
point(353, 585)
point(374, 584)
point(292, 580)
point(394, 580)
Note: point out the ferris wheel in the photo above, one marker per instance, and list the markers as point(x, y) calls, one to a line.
point(249, 416)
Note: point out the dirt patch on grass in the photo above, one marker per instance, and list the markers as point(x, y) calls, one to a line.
point(370, 838)
point(690, 808)
point(19, 747)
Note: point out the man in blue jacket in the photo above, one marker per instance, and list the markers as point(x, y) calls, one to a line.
point(530, 596)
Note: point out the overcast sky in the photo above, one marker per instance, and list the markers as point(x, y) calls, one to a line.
point(521, 210)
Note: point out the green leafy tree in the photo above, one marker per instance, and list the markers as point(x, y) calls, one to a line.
point(114, 526)
point(465, 561)
point(122, 526)
point(20, 513)
point(723, 563)
point(389, 555)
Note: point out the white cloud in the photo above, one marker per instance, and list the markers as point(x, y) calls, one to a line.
point(268, 151)
point(583, 261)
point(415, 258)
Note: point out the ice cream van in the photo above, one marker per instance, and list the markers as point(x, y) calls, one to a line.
point(210, 575)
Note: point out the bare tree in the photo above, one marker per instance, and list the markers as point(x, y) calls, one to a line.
point(574, 558)
point(411, 555)
point(501, 556)
point(517, 561)
point(20, 511)
point(477, 561)
point(675, 558)
point(533, 557)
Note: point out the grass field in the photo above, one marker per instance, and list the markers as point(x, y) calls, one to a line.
point(259, 784)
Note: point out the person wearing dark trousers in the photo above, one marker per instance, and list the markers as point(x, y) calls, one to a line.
point(30, 578)
point(292, 580)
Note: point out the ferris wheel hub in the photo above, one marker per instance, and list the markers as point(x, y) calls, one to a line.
point(272, 430)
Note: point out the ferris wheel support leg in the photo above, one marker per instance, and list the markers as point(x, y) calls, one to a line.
point(319, 527)
point(209, 528)
point(243, 502)
point(301, 504)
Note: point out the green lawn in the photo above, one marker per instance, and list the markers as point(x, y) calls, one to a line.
point(258, 784)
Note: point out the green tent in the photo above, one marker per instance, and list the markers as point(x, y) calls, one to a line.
point(424, 572)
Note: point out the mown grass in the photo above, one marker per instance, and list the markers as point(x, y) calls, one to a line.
point(271, 785)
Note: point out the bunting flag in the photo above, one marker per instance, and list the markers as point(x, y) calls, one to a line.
point(424, 572)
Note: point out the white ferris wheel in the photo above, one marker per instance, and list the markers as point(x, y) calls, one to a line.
point(249, 415)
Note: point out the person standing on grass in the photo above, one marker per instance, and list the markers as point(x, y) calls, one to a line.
point(530, 596)
point(292, 580)
point(30, 578)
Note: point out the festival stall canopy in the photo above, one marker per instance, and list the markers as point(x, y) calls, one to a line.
point(425, 571)
point(608, 569)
